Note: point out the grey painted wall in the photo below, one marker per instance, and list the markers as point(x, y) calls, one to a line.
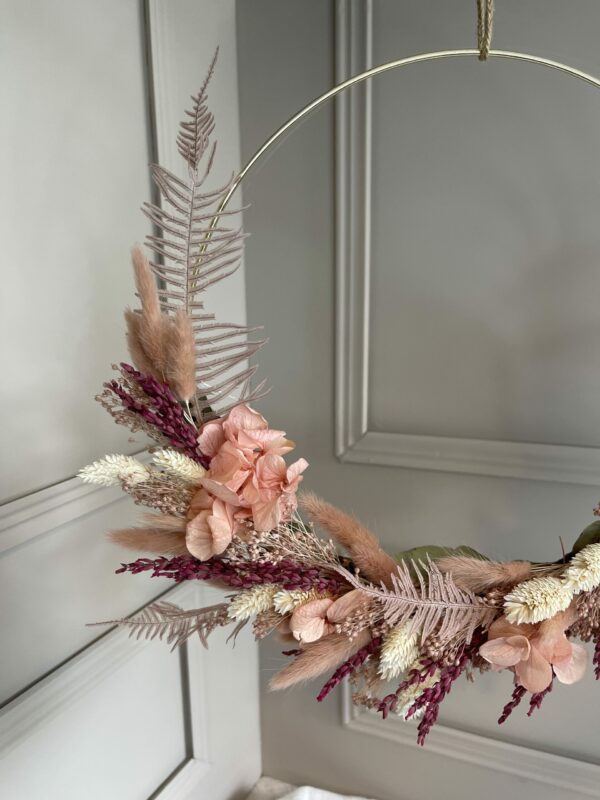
point(486, 272)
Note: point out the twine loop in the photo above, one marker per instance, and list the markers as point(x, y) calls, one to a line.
point(485, 26)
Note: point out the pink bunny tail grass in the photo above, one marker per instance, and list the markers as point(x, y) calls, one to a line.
point(319, 657)
point(362, 545)
point(150, 540)
point(181, 348)
point(147, 332)
point(348, 667)
point(478, 575)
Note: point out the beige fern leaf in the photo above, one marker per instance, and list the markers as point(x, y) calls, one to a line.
point(170, 623)
point(428, 603)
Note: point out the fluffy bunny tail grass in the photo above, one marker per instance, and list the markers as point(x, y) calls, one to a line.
point(478, 575)
point(319, 657)
point(362, 545)
point(150, 540)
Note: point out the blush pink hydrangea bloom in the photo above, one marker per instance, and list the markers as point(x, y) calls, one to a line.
point(247, 479)
point(535, 652)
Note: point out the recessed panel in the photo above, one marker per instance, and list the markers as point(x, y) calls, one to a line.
point(121, 738)
point(485, 257)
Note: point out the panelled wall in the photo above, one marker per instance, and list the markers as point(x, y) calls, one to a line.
point(91, 94)
point(427, 263)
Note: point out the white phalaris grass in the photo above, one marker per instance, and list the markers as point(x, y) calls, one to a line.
point(537, 599)
point(583, 572)
point(398, 651)
point(251, 602)
point(111, 469)
point(285, 602)
point(179, 465)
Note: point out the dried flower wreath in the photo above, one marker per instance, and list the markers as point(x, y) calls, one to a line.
point(225, 506)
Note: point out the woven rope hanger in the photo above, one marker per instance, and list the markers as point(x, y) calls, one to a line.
point(485, 20)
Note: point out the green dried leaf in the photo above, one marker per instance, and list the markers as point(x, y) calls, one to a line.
point(589, 535)
point(435, 552)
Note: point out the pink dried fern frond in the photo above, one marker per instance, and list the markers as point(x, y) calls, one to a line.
point(169, 622)
point(431, 603)
point(194, 252)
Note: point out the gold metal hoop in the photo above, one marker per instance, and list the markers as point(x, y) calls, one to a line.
point(371, 73)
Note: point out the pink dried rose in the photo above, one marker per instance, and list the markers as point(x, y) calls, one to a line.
point(534, 652)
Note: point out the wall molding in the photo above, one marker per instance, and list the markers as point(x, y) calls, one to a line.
point(66, 684)
point(33, 515)
point(538, 766)
point(355, 443)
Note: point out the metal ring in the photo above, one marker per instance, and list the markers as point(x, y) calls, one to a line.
point(371, 73)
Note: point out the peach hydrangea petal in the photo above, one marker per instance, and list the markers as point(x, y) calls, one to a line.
point(220, 491)
point(265, 440)
point(211, 438)
point(243, 417)
point(294, 471)
point(506, 651)
point(198, 537)
point(210, 532)
point(346, 604)
point(308, 622)
point(534, 674)
point(221, 534)
point(270, 470)
point(201, 501)
point(266, 515)
point(230, 466)
point(572, 668)
point(502, 627)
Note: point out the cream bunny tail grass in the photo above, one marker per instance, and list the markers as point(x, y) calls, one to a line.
point(363, 546)
point(319, 657)
point(181, 371)
point(148, 331)
point(478, 575)
point(150, 540)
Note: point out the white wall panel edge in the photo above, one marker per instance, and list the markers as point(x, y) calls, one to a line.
point(41, 512)
point(355, 443)
point(51, 695)
point(530, 461)
point(534, 765)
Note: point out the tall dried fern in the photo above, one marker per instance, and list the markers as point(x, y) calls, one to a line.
point(430, 602)
point(192, 256)
point(170, 623)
